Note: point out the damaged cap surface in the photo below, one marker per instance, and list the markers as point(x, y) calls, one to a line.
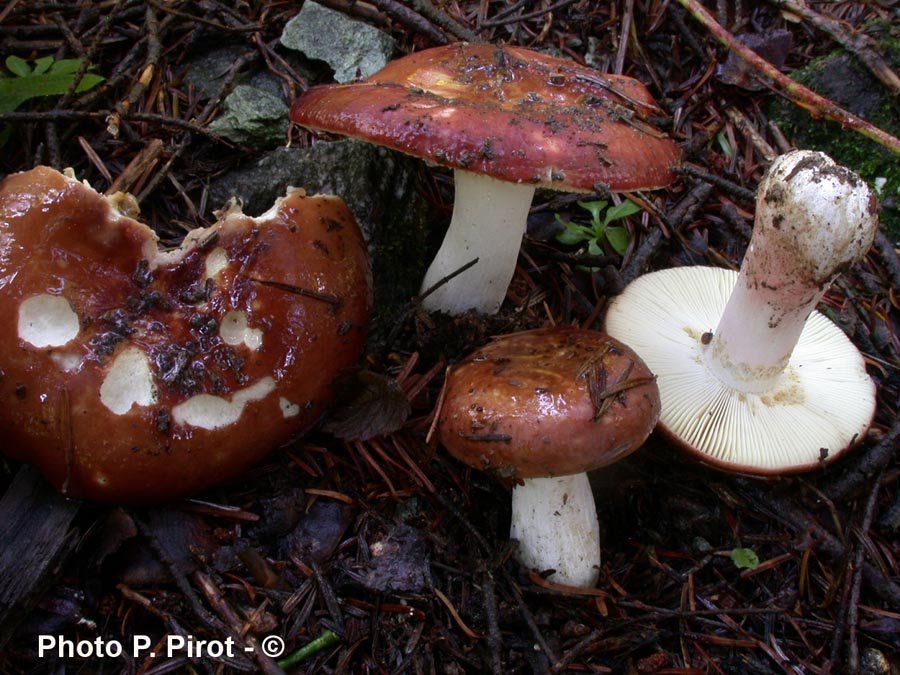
point(131, 374)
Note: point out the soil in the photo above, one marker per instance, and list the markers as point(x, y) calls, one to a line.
point(363, 546)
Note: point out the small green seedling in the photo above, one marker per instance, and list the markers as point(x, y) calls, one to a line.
point(744, 558)
point(46, 77)
point(600, 229)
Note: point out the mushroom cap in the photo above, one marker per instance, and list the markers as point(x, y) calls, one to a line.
point(822, 403)
point(511, 113)
point(547, 402)
point(133, 375)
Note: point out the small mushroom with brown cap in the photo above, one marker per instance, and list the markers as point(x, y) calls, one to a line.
point(132, 374)
point(751, 377)
point(507, 120)
point(544, 407)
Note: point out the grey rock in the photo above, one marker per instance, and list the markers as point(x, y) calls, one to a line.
point(352, 48)
point(208, 71)
point(252, 116)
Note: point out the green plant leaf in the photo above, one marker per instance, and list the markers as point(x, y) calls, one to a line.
point(594, 208)
point(573, 235)
point(594, 247)
point(618, 238)
point(745, 558)
point(16, 90)
point(42, 65)
point(620, 211)
point(65, 66)
point(18, 66)
point(726, 147)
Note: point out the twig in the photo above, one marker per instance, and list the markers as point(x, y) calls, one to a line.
point(816, 104)
point(504, 16)
point(142, 161)
point(495, 640)
point(235, 625)
point(866, 465)
point(194, 18)
point(682, 212)
point(444, 280)
point(740, 120)
point(444, 20)
point(201, 119)
point(64, 115)
point(729, 187)
point(645, 251)
point(856, 584)
point(889, 259)
point(150, 62)
point(411, 19)
point(624, 36)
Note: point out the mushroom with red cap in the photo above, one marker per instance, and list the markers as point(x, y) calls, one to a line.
point(751, 377)
point(132, 374)
point(507, 120)
point(544, 407)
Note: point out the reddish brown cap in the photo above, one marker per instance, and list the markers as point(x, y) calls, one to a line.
point(548, 402)
point(511, 113)
point(135, 375)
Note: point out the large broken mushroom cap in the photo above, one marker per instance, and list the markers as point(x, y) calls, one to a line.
point(546, 406)
point(507, 120)
point(752, 379)
point(131, 374)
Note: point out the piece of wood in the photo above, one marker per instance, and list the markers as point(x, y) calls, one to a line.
point(35, 537)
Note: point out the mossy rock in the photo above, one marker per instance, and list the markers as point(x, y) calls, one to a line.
point(843, 79)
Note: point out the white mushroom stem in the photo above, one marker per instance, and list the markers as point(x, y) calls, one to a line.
point(814, 219)
point(488, 222)
point(555, 523)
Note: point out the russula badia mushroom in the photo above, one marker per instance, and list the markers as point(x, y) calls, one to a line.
point(751, 377)
point(544, 407)
point(507, 120)
point(131, 374)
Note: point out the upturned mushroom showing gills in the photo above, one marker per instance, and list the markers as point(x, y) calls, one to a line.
point(751, 377)
point(507, 120)
point(544, 407)
point(134, 375)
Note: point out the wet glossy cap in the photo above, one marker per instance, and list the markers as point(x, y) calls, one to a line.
point(511, 113)
point(132, 375)
point(548, 402)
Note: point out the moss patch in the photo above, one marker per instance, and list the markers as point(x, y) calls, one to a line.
point(843, 79)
